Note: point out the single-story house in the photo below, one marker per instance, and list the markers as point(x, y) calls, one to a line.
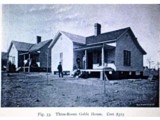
point(30, 57)
point(116, 52)
point(3, 61)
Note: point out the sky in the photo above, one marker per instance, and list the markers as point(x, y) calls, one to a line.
point(23, 22)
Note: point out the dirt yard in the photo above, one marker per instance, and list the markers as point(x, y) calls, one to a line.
point(34, 90)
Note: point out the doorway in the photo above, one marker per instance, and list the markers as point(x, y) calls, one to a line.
point(90, 60)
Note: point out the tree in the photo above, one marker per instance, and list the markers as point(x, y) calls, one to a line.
point(150, 62)
point(158, 65)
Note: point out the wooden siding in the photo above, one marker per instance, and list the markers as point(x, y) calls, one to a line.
point(63, 45)
point(43, 56)
point(126, 43)
point(110, 56)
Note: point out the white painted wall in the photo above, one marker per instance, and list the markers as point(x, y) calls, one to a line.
point(63, 45)
point(13, 53)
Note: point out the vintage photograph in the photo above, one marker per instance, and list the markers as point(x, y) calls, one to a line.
point(80, 55)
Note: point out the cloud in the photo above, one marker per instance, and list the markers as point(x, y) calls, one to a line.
point(63, 9)
point(39, 8)
point(70, 17)
point(32, 9)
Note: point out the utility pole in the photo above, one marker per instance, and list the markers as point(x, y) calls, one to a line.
point(103, 70)
point(158, 64)
point(47, 65)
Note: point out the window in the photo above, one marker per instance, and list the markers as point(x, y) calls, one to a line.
point(13, 60)
point(127, 58)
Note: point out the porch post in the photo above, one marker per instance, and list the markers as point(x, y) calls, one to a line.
point(29, 63)
point(102, 56)
point(23, 63)
point(85, 59)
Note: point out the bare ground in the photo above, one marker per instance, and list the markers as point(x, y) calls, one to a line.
point(34, 90)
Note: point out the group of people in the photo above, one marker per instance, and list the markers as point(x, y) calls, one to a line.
point(76, 71)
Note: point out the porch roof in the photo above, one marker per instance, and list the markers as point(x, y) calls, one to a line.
point(88, 47)
point(33, 52)
point(94, 47)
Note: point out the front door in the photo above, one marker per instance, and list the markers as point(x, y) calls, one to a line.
point(90, 60)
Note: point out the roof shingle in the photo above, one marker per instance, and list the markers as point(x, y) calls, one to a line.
point(36, 47)
point(28, 47)
point(75, 38)
point(22, 46)
point(113, 35)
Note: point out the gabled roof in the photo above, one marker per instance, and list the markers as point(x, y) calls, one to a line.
point(22, 46)
point(28, 47)
point(75, 38)
point(113, 36)
point(108, 36)
point(36, 47)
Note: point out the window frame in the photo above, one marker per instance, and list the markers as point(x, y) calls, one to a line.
point(126, 58)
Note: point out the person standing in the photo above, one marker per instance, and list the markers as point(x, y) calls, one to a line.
point(60, 70)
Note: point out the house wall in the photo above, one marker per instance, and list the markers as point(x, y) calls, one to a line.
point(43, 57)
point(13, 54)
point(96, 57)
point(126, 43)
point(63, 45)
point(21, 58)
point(110, 56)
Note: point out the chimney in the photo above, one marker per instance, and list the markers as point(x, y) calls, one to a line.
point(38, 39)
point(97, 29)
